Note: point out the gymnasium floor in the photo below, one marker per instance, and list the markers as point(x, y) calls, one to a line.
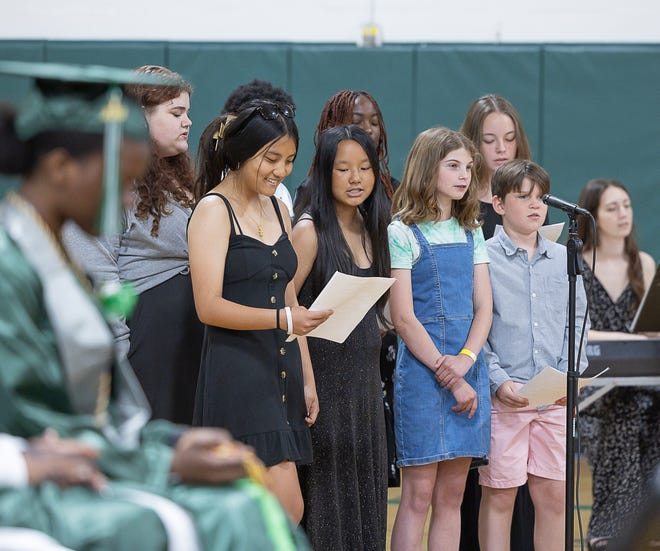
point(584, 501)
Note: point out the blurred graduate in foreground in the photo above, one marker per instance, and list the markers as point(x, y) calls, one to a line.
point(58, 367)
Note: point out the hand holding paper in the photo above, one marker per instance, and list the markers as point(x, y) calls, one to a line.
point(305, 321)
point(549, 386)
point(350, 297)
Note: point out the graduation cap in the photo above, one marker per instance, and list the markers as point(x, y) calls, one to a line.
point(85, 98)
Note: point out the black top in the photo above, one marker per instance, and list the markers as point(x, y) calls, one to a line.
point(251, 382)
point(489, 218)
point(345, 488)
point(607, 314)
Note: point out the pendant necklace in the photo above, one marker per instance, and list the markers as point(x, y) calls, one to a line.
point(260, 229)
point(259, 225)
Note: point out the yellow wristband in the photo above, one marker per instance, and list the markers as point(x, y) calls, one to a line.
point(468, 352)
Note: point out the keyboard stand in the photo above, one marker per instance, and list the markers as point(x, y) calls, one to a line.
point(608, 383)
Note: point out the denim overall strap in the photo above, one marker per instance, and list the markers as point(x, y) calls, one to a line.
point(442, 279)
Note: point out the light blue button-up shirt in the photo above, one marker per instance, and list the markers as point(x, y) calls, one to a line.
point(530, 311)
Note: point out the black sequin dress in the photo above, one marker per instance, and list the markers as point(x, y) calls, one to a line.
point(251, 382)
point(345, 488)
point(620, 431)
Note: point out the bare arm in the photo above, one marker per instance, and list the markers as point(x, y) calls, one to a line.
point(482, 299)
point(305, 243)
point(648, 268)
point(208, 242)
point(311, 399)
point(406, 323)
point(595, 335)
point(455, 367)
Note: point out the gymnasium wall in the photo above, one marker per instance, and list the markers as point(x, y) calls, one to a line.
point(589, 110)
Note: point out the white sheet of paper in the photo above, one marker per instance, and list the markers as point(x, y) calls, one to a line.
point(551, 231)
point(548, 386)
point(350, 297)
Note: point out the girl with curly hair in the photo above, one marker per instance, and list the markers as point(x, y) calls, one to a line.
point(163, 337)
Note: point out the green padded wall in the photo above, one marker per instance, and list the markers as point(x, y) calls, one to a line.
point(450, 78)
point(318, 72)
point(589, 110)
point(117, 54)
point(13, 88)
point(215, 70)
point(601, 118)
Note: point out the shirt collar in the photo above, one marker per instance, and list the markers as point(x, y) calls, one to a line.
point(511, 249)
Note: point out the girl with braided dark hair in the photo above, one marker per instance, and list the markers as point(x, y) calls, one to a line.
point(351, 107)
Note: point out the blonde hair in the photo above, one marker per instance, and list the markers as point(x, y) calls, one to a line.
point(415, 199)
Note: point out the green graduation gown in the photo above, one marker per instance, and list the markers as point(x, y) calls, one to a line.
point(47, 379)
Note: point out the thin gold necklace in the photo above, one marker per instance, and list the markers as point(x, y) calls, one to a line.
point(260, 228)
point(259, 225)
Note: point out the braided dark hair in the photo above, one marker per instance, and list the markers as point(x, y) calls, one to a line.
point(338, 110)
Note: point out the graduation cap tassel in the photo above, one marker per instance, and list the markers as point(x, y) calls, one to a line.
point(117, 299)
point(113, 114)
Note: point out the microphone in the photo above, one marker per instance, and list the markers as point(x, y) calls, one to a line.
point(570, 208)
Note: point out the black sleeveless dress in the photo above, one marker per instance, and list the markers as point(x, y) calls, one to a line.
point(251, 382)
point(345, 488)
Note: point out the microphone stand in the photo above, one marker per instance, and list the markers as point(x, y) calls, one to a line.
point(574, 268)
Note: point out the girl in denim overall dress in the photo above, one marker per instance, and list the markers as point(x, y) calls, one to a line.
point(441, 308)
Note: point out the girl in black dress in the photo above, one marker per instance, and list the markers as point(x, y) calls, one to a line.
point(345, 488)
point(360, 108)
point(252, 382)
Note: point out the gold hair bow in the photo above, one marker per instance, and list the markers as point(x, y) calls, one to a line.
point(219, 134)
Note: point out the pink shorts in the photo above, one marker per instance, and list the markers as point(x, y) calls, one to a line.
point(525, 441)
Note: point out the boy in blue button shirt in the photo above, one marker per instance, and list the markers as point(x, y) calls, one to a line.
point(529, 332)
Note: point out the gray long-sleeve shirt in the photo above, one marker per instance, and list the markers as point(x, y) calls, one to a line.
point(135, 255)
